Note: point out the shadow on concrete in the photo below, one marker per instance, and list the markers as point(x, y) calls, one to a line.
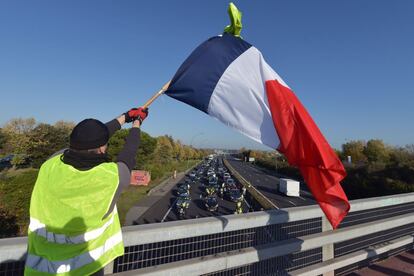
point(406, 259)
point(389, 271)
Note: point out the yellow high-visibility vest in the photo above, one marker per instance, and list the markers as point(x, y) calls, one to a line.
point(67, 234)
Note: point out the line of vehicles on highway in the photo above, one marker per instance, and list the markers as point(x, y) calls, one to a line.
point(215, 181)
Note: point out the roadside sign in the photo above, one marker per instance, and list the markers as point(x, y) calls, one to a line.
point(140, 178)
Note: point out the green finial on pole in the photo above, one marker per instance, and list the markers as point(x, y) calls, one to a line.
point(235, 18)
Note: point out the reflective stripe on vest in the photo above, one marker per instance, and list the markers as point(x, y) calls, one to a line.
point(40, 229)
point(54, 267)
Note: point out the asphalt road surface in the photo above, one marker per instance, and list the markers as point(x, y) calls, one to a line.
point(165, 209)
point(268, 184)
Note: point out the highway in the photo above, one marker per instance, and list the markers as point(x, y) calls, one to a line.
point(267, 184)
point(161, 252)
point(164, 210)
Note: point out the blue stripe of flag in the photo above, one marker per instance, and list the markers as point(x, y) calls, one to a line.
point(195, 80)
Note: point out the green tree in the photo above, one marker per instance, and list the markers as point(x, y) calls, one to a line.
point(19, 160)
point(164, 151)
point(401, 157)
point(146, 150)
point(355, 149)
point(3, 139)
point(65, 126)
point(177, 146)
point(20, 125)
point(116, 143)
point(44, 140)
point(376, 151)
point(17, 134)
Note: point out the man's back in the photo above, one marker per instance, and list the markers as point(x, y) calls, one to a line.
point(67, 232)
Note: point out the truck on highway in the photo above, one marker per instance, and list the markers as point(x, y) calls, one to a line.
point(289, 187)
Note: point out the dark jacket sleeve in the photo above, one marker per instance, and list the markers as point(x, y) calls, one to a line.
point(113, 126)
point(128, 153)
point(126, 162)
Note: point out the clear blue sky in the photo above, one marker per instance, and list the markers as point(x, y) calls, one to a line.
point(351, 63)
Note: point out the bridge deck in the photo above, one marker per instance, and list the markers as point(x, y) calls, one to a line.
point(399, 265)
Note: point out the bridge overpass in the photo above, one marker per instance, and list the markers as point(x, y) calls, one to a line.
point(291, 241)
point(290, 237)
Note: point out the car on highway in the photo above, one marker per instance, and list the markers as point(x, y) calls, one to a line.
point(234, 195)
point(182, 203)
point(183, 198)
point(189, 181)
point(182, 191)
point(5, 163)
point(212, 180)
point(211, 174)
point(226, 176)
point(211, 189)
point(211, 203)
point(185, 185)
point(231, 186)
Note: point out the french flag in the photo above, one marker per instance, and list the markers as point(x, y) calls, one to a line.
point(228, 78)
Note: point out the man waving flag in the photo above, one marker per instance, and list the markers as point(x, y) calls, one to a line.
point(228, 78)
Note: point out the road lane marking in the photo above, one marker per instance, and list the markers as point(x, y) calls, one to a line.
point(291, 202)
point(302, 198)
point(169, 210)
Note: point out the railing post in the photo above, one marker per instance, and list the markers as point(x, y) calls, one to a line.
point(109, 268)
point(327, 250)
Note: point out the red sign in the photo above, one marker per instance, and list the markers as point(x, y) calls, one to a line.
point(140, 178)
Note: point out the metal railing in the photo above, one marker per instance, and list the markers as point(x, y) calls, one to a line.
point(295, 241)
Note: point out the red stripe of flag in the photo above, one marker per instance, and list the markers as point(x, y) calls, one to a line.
point(305, 147)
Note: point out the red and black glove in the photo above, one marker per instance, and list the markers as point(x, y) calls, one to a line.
point(136, 114)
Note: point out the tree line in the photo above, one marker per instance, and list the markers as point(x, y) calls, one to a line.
point(31, 143)
point(373, 167)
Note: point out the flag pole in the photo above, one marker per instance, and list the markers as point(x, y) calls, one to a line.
point(156, 95)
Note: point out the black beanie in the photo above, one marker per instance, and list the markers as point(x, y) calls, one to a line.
point(89, 134)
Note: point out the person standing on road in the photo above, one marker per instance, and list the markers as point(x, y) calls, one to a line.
point(74, 225)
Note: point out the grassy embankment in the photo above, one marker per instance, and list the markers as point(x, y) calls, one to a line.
point(16, 187)
point(133, 194)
